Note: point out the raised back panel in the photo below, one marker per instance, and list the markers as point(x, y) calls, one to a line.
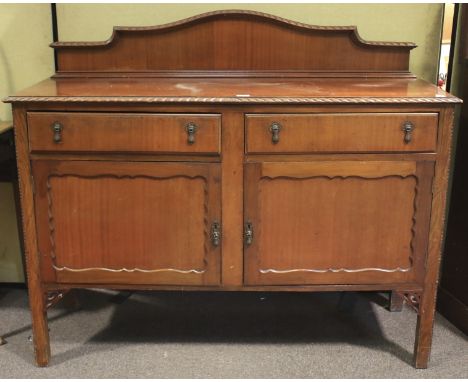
point(233, 43)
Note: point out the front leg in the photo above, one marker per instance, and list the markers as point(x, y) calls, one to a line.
point(35, 286)
point(424, 328)
point(40, 328)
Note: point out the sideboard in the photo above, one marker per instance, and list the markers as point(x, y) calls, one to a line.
point(234, 151)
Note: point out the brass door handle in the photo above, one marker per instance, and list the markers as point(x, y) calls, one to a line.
point(408, 128)
point(215, 233)
point(57, 130)
point(191, 128)
point(248, 233)
point(275, 129)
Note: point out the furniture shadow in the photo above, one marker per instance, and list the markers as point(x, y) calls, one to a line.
point(241, 317)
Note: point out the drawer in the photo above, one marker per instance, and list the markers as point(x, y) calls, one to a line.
point(124, 132)
point(352, 132)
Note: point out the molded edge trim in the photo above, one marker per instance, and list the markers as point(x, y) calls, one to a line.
point(237, 100)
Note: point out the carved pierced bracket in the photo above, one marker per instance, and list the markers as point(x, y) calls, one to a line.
point(412, 299)
point(53, 297)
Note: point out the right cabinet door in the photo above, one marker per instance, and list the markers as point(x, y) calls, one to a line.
point(336, 222)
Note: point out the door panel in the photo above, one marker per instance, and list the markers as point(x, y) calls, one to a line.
point(336, 222)
point(146, 223)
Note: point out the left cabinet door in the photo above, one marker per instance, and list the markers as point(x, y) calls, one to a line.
point(128, 222)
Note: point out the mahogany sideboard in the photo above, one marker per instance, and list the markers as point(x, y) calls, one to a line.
point(234, 151)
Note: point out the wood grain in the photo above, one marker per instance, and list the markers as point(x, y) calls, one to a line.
point(243, 91)
point(370, 132)
point(232, 199)
point(124, 133)
point(340, 203)
point(233, 41)
point(135, 223)
point(317, 226)
point(425, 323)
point(411, 287)
point(36, 290)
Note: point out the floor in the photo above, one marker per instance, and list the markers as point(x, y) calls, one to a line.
point(226, 335)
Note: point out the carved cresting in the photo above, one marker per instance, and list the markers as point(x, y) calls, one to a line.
point(257, 37)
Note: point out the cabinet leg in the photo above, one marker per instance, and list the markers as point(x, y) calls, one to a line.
point(395, 302)
point(39, 327)
point(424, 329)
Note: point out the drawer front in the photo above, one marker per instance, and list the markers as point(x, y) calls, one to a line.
point(357, 132)
point(123, 132)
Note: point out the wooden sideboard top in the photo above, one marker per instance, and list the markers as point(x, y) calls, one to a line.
point(235, 90)
point(234, 57)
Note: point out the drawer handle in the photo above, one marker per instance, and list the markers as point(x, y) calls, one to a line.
point(248, 233)
point(275, 129)
point(57, 129)
point(191, 128)
point(215, 234)
point(408, 128)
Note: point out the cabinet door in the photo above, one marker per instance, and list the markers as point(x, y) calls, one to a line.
point(340, 222)
point(139, 223)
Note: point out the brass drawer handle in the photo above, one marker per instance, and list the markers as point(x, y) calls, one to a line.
point(408, 128)
point(248, 233)
point(215, 233)
point(57, 130)
point(191, 128)
point(275, 129)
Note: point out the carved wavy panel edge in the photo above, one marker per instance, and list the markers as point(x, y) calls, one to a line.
point(335, 270)
point(126, 270)
point(122, 176)
point(346, 270)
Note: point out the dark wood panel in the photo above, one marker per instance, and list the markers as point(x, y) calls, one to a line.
point(452, 308)
point(123, 132)
point(128, 222)
point(233, 41)
point(336, 222)
point(453, 298)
